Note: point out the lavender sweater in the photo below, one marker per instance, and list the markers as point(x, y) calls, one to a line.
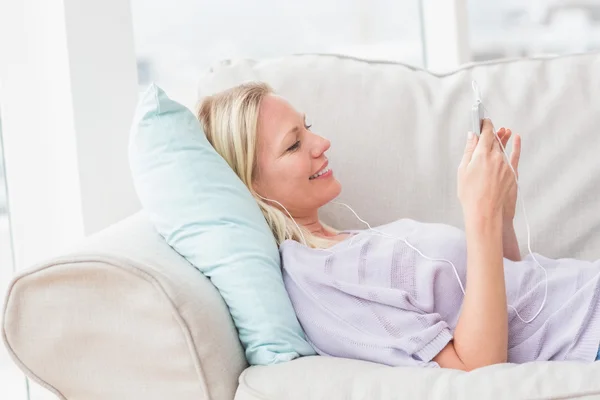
point(377, 299)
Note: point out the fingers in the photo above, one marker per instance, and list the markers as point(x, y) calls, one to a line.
point(516, 153)
point(487, 139)
point(489, 142)
point(504, 135)
point(469, 148)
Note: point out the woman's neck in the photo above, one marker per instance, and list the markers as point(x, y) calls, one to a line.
point(314, 226)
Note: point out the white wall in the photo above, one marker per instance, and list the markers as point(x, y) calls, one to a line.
point(67, 94)
point(104, 93)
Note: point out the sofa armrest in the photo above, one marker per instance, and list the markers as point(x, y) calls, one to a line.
point(122, 316)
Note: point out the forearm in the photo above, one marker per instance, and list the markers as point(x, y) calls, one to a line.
point(481, 335)
point(510, 245)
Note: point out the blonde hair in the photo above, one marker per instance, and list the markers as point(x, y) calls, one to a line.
point(230, 121)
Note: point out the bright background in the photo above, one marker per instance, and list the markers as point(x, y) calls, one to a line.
point(70, 71)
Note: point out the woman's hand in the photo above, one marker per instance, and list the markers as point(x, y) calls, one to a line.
point(485, 179)
point(508, 211)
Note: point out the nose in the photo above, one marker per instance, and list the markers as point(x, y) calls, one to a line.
point(321, 146)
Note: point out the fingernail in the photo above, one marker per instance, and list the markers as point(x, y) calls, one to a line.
point(469, 135)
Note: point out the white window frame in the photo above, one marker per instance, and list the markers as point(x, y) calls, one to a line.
point(69, 86)
point(445, 34)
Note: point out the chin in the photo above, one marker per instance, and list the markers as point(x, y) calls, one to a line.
point(333, 191)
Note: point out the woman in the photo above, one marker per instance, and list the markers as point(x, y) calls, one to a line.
point(372, 294)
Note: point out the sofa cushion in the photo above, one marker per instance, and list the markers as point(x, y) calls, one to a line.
point(205, 212)
point(339, 378)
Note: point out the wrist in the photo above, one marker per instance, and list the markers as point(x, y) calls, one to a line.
point(507, 223)
point(485, 221)
point(510, 244)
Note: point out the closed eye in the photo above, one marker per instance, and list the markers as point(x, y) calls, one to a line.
point(295, 146)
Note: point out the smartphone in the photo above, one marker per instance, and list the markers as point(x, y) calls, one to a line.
point(477, 118)
point(477, 111)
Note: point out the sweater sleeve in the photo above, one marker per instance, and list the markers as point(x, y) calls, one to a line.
point(368, 323)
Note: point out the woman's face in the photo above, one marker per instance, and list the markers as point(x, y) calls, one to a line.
point(289, 155)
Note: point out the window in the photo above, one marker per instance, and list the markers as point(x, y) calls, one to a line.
point(176, 41)
point(515, 28)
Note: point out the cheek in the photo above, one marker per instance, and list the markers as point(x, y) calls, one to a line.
point(284, 178)
point(293, 171)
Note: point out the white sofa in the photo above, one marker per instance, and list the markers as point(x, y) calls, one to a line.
point(123, 316)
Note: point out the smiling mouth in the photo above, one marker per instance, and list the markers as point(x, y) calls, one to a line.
point(318, 174)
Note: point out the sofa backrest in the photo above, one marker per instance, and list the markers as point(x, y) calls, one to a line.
point(398, 134)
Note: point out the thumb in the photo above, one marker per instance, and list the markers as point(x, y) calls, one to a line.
point(469, 148)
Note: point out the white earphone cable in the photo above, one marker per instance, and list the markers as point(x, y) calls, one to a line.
point(528, 238)
point(288, 213)
point(454, 267)
point(442, 259)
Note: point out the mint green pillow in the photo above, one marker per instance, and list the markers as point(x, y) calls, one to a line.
point(205, 212)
